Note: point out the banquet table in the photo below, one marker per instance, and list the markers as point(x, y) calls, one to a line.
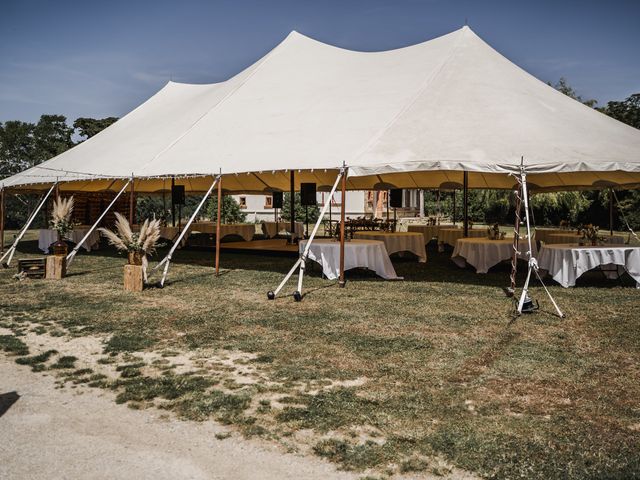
point(484, 253)
point(398, 242)
point(167, 232)
point(47, 237)
point(370, 254)
point(428, 231)
point(542, 233)
point(572, 237)
point(567, 262)
point(450, 235)
point(271, 229)
point(244, 230)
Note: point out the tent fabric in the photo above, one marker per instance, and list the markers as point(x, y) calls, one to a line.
point(415, 117)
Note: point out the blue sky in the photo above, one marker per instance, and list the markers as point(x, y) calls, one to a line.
point(103, 58)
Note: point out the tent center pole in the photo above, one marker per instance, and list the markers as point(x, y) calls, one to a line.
point(611, 211)
point(292, 205)
point(343, 206)
point(132, 193)
point(173, 206)
point(218, 223)
point(2, 197)
point(453, 217)
point(465, 203)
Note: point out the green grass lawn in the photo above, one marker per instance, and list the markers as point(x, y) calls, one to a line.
point(380, 376)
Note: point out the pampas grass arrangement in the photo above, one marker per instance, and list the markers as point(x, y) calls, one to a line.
point(61, 216)
point(125, 239)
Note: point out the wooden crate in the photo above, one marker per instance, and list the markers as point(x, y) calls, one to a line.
point(133, 278)
point(32, 267)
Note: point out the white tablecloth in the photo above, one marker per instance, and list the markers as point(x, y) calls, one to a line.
point(542, 234)
point(271, 229)
point(484, 253)
point(398, 242)
point(450, 235)
point(369, 254)
point(565, 263)
point(428, 231)
point(47, 237)
point(572, 237)
point(244, 230)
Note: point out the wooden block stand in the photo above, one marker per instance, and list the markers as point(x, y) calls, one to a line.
point(56, 267)
point(133, 278)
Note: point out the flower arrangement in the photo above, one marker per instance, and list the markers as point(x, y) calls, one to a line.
point(137, 244)
point(590, 232)
point(61, 216)
point(493, 232)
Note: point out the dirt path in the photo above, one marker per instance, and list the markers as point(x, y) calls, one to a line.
point(51, 433)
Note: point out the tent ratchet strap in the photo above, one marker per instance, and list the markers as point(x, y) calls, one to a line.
point(302, 260)
point(73, 252)
point(167, 260)
point(9, 253)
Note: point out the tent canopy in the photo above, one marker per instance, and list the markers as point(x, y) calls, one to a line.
point(415, 117)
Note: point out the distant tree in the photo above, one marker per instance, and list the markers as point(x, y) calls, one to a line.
point(52, 136)
point(16, 147)
point(88, 127)
point(230, 211)
point(563, 86)
point(299, 209)
point(626, 111)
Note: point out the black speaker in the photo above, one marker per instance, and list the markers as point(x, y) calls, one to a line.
point(395, 198)
point(308, 194)
point(177, 194)
point(278, 199)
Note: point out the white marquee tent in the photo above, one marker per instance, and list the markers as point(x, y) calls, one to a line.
point(416, 117)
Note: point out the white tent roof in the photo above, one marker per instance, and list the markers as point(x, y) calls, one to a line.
point(412, 117)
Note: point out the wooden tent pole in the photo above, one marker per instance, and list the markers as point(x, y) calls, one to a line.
point(2, 197)
point(465, 201)
point(454, 207)
point(218, 223)
point(292, 204)
point(343, 206)
point(131, 202)
point(611, 211)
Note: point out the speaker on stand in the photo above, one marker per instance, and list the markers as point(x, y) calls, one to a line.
point(307, 198)
point(395, 200)
point(277, 201)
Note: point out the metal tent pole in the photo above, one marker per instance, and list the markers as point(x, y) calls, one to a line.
point(72, 254)
point(9, 253)
point(167, 260)
point(218, 224)
point(301, 262)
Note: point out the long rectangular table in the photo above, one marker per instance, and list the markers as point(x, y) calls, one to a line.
point(244, 230)
point(398, 242)
point(271, 229)
point(47, 237)
point(567, 262)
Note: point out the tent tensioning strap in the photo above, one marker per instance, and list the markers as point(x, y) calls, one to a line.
point(12, 250)
point(167, 260)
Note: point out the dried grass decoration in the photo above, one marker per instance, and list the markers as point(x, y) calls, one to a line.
point(61, 222)
point(137, 244)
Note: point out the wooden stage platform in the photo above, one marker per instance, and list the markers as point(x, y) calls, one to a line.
point(274, 246)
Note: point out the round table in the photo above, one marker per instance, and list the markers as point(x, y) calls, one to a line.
point(484, 253)
point(398, 242)
point(542, 233)
point(428, 231)
point(450, 235)
point(576, 238)
point(566, 262)
point(369, 254)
